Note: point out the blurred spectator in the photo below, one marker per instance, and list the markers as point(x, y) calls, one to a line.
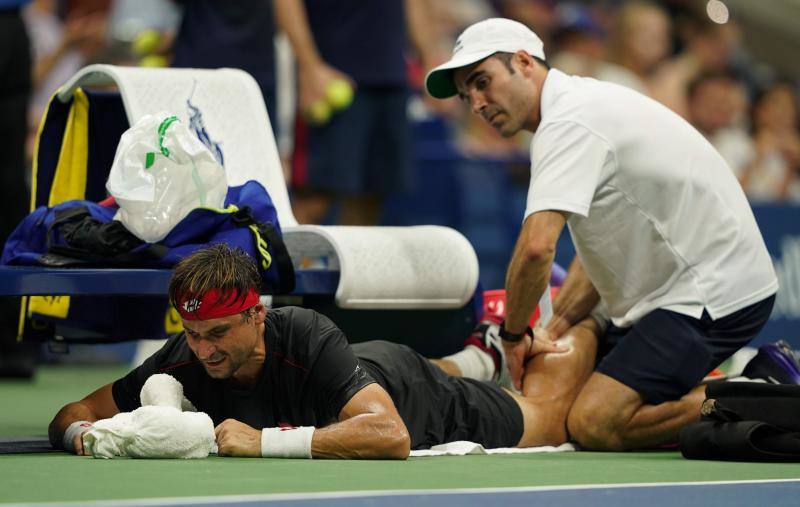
point(580, 41)
point(707, 47)
point(363, 152)
point(15, 87)
point(717, 108)
point(62, 45)
point(773, 175)
point(539, 15)
point(451, 16)
point(240, 34)
point(639, 42)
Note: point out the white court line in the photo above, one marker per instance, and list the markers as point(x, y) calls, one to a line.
point(333, 495)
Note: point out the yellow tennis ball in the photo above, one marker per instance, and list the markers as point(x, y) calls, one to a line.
point(153, 61)
point(319, 113)
point(339, 94)
point(146, 42)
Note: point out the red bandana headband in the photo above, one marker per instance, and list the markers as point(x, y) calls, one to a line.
point(215, 304)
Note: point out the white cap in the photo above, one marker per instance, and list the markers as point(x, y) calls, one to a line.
point(479, 41)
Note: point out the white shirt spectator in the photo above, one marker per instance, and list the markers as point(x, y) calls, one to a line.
point(656, 215)
point(618, 74)
point(736, 147)
point(766, 180)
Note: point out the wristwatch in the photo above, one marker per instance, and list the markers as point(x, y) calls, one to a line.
point(513, 337)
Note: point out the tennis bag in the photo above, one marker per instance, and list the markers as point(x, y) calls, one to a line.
point(746, 421)
point(80, 233)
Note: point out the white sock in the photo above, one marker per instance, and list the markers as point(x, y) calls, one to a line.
point(473, 363)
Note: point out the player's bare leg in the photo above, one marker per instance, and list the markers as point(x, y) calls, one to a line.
point(551, 383)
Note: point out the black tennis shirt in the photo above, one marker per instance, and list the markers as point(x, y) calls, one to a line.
point(310, 373)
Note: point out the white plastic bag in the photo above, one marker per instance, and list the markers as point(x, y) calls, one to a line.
point(161, 172)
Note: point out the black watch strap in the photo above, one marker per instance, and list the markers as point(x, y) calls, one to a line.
point(513, 337)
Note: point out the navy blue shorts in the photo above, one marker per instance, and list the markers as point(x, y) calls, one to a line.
point(365, 149)
point(665, 354)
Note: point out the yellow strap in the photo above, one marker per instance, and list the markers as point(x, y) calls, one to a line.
point(69, 181)
point(25, 300)
point(53, 306)
point(23, 312)
point(172, 321)
point(261, 244)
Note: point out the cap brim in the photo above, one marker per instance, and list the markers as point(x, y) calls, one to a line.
point(439, 81)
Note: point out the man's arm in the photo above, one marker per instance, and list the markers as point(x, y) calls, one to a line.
point(313, 73)
point(98, 405)
point(526, 281)
point(369, 427)
point(576, 298)
point(422, 33)
point(293, 20)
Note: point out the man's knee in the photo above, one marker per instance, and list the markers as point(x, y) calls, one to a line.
point(592, 429)
point(599, 418)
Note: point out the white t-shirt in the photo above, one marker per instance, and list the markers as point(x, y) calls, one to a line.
point(656, 216)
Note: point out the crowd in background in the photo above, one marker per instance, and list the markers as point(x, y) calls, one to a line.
point(688, 54)
point(673, 52)
point(669, 50)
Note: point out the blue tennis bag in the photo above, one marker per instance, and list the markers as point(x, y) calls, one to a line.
point(80, 233)
point(83, 234)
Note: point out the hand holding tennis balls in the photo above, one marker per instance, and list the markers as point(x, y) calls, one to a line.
point(339, 94)
point(319, 113)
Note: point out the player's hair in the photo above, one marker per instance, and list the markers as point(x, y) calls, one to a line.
point(215, 267)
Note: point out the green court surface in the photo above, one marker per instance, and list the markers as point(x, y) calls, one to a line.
point(51, 477)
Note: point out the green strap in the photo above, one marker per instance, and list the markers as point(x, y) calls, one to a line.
point(262, 246)
point(162, 130)
point(150, 157)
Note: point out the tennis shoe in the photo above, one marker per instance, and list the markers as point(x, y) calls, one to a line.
point(775, 362)
point(486, 337)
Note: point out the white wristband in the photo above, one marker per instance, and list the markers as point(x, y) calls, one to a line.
point(286, 442)
point(76, 428)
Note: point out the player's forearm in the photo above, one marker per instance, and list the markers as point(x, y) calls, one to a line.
point(365, 436)
point(575, 300)
point(75, 411)
point(526, 281)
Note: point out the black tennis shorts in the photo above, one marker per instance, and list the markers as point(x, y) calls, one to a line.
point(666, 353)
point(438, 408)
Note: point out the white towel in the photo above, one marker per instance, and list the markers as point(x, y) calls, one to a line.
point(463, 448)
point(162, 390)
point(157, 429)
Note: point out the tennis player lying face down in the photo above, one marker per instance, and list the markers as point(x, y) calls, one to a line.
point(285, 382)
